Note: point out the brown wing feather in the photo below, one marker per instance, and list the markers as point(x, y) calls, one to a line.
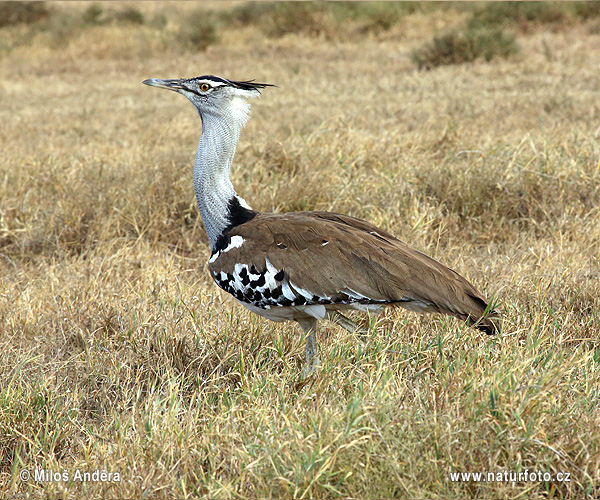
point(331, 254)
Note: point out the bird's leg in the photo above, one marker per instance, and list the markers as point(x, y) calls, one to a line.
point(309, 326)
point(372, 320)
point(350, 326)
point(341, 320)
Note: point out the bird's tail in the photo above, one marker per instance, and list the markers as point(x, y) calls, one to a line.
point(490, 324)
point(487, 319)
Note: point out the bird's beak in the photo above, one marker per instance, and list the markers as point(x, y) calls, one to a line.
point(164, 84)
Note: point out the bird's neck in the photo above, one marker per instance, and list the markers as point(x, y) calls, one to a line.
point(220, 206)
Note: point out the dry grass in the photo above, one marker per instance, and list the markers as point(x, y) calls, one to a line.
point(119, 353)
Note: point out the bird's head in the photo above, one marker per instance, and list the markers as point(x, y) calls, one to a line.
point(213, 95)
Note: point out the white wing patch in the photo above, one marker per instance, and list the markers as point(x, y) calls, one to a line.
point(355, 295)
point(235, 242)
point(244, 204)
point(287, 291)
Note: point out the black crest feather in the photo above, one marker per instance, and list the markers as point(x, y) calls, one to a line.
point(250, 85)
point(242, 84)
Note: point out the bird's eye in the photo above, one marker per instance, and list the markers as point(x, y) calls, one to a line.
point(204, 87)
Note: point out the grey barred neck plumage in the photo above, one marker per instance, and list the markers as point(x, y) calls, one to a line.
point(224, 110)
point(304, 266)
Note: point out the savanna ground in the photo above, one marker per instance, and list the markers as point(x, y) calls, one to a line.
point(120, 354)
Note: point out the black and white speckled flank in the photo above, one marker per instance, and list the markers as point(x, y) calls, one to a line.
point(270, 287)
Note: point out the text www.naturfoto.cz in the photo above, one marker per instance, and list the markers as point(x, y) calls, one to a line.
point(509, 476)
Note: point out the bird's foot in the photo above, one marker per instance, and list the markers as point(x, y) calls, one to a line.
point(313, 365)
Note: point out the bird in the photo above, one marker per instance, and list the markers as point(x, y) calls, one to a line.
point(305, 266)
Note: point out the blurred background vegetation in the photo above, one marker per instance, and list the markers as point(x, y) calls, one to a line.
point(490, 29)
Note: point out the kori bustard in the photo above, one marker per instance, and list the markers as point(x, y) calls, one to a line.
point(305, 266)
